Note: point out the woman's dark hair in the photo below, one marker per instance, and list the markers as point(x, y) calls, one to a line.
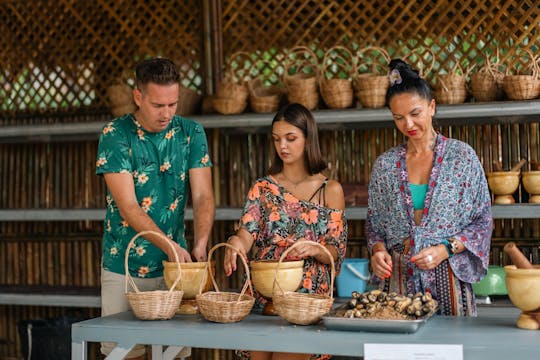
point(159, 71)
point(297, 115)
point(405, 79)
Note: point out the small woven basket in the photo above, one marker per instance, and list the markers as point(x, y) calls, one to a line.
point(301, 86)
point(451, 88)
point(337, 93)
point(157, 304)
point(301, 308)
point(232, 93)
point(225, 307)
point(371, 87)
point(523, 87)
point(263, 99)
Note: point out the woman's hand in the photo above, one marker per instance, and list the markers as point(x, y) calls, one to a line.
point(229, 262)
point(381, 263)
point(303, 250)
point(430, 257)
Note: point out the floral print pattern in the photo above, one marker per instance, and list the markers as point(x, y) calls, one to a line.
point(457, 204)
point(159, 164)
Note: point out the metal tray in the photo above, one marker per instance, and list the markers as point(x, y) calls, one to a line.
point(373, 325)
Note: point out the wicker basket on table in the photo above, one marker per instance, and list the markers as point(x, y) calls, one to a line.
point(451, 88)
point(156, 304)
point(225, 307)
point(337, 91)
point(302, 308)
point(524, 86)
point(232, 92)
point(371, 86)
point(487, 83)
point(300, 77)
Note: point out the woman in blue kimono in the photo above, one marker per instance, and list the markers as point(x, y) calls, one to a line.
point(429, 219)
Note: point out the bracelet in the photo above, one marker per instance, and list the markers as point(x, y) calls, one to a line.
point(448, 248)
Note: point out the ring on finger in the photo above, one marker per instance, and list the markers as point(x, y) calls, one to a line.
point(429, 258)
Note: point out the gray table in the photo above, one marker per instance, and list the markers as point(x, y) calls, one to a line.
point(493, 335)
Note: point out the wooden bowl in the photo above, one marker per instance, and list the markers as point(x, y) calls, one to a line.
point(524, 291)
point(289, 275)
point(503, 184)
point(193, 274)
point(531, 182)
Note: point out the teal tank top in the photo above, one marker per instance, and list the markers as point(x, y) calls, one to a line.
point(418, 194)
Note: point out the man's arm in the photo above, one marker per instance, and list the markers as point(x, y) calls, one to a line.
point(202, 194)
point(122, 189)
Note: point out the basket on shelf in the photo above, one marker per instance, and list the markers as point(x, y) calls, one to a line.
point(156, 304)
point(487, 83)
point(120, 98)
point(302, 308)
point(300, 77)
point(264, 99)
point(451, 88)
point(523, 86)
point(371, 86)
point(337, 91)
point(225, 307)
point(189, 101)
point(232, 93)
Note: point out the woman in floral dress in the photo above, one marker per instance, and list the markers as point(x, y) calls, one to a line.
point(294, 203)
point(429, 219)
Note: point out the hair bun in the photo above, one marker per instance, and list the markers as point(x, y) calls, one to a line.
point(405, 70)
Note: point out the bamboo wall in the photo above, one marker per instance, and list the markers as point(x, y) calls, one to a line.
point(62, 55)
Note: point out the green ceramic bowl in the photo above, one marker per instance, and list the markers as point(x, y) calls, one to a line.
point(494, 283)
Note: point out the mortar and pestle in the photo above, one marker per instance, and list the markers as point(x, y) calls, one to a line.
point(504, 183)
point(531, 182)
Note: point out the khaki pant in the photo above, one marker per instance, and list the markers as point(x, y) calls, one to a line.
point(114, 300)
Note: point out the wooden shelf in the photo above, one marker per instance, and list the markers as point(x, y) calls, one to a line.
point(515, 211)
point(467, 113)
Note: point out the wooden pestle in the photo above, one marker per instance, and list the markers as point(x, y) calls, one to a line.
point(517, 257)
point(519, 165)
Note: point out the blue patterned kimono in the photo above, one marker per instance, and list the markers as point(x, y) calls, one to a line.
point(457, 204)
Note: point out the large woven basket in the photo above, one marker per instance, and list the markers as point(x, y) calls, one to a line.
point(523, 86)
point(301, 308)
point(486, 84)
point(337, 92)
point(451, 88)
point(264, 99)
point(300, 77)
point(371, 87)
point(225, 307)
point(157, 304)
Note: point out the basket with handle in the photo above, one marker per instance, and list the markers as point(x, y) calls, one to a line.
point(225, 307)
point(524, 86)
point(232, 92)
point(486, 84)
point(301, 85)
point(263, 98)
point(156, 304)
point(337, 92)
point(302, 308)
point(371, 87)
point(451, 88)
point(120, 97)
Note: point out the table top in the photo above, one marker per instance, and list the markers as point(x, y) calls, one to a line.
point(491, 335)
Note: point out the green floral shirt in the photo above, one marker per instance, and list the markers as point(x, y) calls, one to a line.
point(159, 163)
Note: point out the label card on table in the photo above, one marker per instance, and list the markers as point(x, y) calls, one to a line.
point(413, 352)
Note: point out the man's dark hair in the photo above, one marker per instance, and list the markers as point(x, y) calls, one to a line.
point(158, 71)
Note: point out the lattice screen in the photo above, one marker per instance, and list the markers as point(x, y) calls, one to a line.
point(456, 31)
point(61, 55)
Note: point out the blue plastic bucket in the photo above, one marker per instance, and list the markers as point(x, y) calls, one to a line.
point(353, 277)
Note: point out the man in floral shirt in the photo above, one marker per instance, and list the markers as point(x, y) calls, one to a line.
point(151, 160)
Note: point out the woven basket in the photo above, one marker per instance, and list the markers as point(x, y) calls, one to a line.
point(487, 83)
point(157, 304)
point(337, 93)
point(225, 307)
point(189, 101)
point(301, 86)
point(263, 99)
point(451, 88)
point(301, 308)
point(523, 87)
point(371, 87)
point(232, 92)
point(120, 98)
